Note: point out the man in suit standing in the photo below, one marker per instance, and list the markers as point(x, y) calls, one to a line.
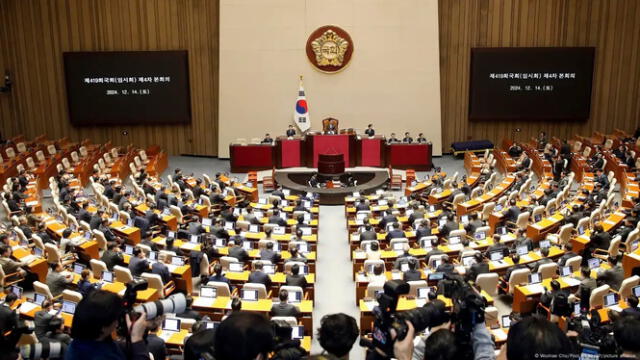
point(159, 268)
point(291, 132)
point(96, 220)
point(138, 262)
point(283, 308)
point(83, 214)
point(369, 131)
point(259, 277)
point(600, 239)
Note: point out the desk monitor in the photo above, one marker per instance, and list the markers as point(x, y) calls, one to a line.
point(250, 295)
point(425, 243)
point(303, 247)
point(17, 290)
point(77, 268)
point(295, 296)
point(636, 291)
point(128, 249)
point(464, 219)
point(304, 270)
point(171, 234)
point(306, 231)
point(496, 256)
point(177, 261)
point(389, 227)
point(68, 307)
point(262, 201)
point(166, 212)
point(130, 222)
point(453, 240)
point(88, 234)
point(306, 203)
point(38, 299)
point(498, 207)
point(436, 263)
point(633, 246)
point(404, 267)
point(297, 332)
point(38, 252)
point(398, 246)
point(565, 271)
point(436, 276)
point(535, 278)
point(537, 218)
point(208, 292)
point(254, 228)
point(153, 255)
point(593, 263)
point(502, 230)
point(545, 244)
point(269, 269)
point(107, 276)
point(194, 239)
point(171, 324)
point(423, 293)
point(235, 267)
point(610, 300)
point(228, 225)
point(505, 321)
point(522, 250)
point(219, 242)
point(580, 230)
point(467, 261)
point(247, 245)
point(207, 222)
point(212, 324)
point(479, 235)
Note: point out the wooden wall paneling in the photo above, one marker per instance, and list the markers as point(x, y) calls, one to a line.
point(609, 25)
point(34, 34)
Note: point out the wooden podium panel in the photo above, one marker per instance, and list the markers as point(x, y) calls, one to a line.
point(330, 144)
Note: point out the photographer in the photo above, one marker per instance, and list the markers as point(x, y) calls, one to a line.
point(286, 348)
point(534, 337)
point(95, 319)
point(625, 331)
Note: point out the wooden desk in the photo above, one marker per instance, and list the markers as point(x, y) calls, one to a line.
point(131, 233)
point(473, 204)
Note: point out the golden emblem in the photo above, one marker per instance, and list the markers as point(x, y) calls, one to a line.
point(330, 49)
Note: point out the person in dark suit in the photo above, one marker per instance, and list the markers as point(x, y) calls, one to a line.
point(368, 233)
point(236, 251)
point(258, 276)
point(112, 256)
point(446, 266)
point(396, 233)
point(218, 276)
point(362, 205)
point(83, 214)
point(188, 312)
point(369, 131)
point(576, 215)
point(413, 274)
point(613, 276)
point(278, 192)
point(623, 231)
point(417, 214)
point(296, 256)
point(434, 250)
point(8, 317)
point(474, 223)
point(423, 230)
point(535, 266)
point(449, 226)
point(104, 228)
point(291, 132)
point(12, 203)
point(421, 139)
point(522, 240)
point(600, 239)
point(568, 254)
point(267, 139)
point(276, 219)
point(295, 278)
point(496, 247)
point(547, 298)
point(269, 254)
point(138, 262)
point(283, 308)
point(633, 309)
point(480, 267)
point(511, 215)
point(407, 138)
point(159, 268)
point(392, 139)
point(169, 246)
point(601, 178)
point(388, 218)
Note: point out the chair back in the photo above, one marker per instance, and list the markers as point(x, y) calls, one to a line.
point(123, 274)
point(597, 296)
point(372, 288)
point(53, 256)
point(614, 246)
point(433, 259)
point(226, 260)
point(371, 264)
point(290, 320)
point(293, 289)
point(204, 265)
point(97, 267)
point(415, 285)
point(574, 263)
point(627, 285)
point(222, 289)
point(175, 211)
point(548, 270)
point(70, 295)
point(101, 239)
point(155, 282)
point(289, 264)
point(488, 282)
point(42, 288)
point(262, 290)
point(517, 277)
point(523, 220)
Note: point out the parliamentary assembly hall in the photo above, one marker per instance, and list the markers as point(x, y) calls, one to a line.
point(319, 179)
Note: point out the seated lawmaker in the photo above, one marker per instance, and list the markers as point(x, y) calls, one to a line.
point(267, 139)
point(407, 138)
point(283, 308)
point(369, 131)
point(392, 139)
point(331, 129)
point(291, 132)
point(421, 139)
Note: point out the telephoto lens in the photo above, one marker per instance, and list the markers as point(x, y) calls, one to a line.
point(174, 304)
point(48, 350)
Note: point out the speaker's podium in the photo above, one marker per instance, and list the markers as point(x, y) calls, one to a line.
point(331, 165)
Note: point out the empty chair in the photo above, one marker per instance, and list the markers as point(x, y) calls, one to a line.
point(155, 282)
point(597, 296)
point(491, 316)
point(42, 288)
point(564, 236)
point(123, 274)
point(517, 277)
point(290, 320)
point(222, 289)
point(372, 289)
point(488, 282)
point(523, 220)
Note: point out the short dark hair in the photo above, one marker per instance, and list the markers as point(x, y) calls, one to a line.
point(243, 336)
point(632, 301)
point(283, 295)
point(67, 232)
point(536, 335)
point(199, 343)
point(97, 310)
point(337, 333)
point(236, 304)
point(441, 345)
point(295, 269)
point(625, 331)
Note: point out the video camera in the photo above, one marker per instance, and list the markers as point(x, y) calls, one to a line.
point(468, 305)
point(386, 318)
point(593, 337)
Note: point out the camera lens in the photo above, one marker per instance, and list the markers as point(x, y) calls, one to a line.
point(45, 350)
point(174, 304)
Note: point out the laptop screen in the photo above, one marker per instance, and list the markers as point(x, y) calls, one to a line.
point(545, 244)
point(228, 225)
point(128, 249)
point(425, 243)
point(306, 203)
point(577, 309)
point(171, 325)
point(437, 276)
point(468, 261)
point(177, 261)
point(636, 291)
point(269, 269)
point(278, 230)
point(464, 219)
point(306, 231)
point(480, 235)
point(303, 247)
point(253, 228)
point(77, 268)
point(250, 295)
point(107, 276)
point(68, 307)
point(235, 266)
point(17, 290)
point(37, 251)
point(295, 296)
point(130, 222)
point(423, 293)
point(247, 245)
point(506, 321)
point(537, 217)
point(436, 263)
point(502, 230)
point(593, 263)
point(398, 246)
point(297, 332)
point(88, 234)
point(610, 300)
point(171, 234)
point(453, 240)
point(522, 250)
point(496, 256)
point(432, 208)
point(535, 278)
point(220, 242)
point(565, 271)
point(38, 299)
point(580, 230)
point(153, 256)
point(206, 222)
point(208, 292)
point(195, 239)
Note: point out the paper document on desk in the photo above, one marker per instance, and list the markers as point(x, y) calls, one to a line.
point(28, 259)
point(171, 267)
point(571, 281)
point(26, 307)
point(203, 302)
point(536, 288)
